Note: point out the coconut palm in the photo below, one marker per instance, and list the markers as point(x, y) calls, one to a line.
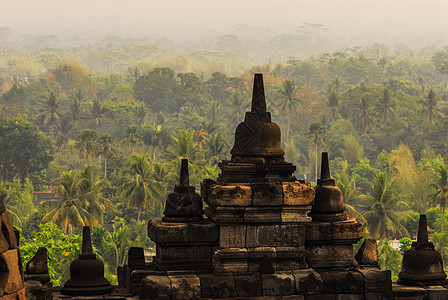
point(440, 187)
point(430, 104)
point(132, 137)
point(97, 112)
point(105, 145)
point(333, 103)
point(183, 145)
point(385, 214)
point(67, 211)
point(75, 109)
point(87, 143)
point(315, 133)
point(79, 201)
point(289, 102)
point(385, 106)
point(49, 113)
point(217, 145)
point(350, 194)
point(140, 188)
point(141, 114)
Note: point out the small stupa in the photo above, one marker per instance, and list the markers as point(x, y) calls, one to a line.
point(329, 204)
point(87, 272)
point(184, 204)
point(422, 264)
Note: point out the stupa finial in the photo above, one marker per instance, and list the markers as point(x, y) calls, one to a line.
point(258, 97)
point(86, 241)
point(325, 167)
point(422, 236)
point(184, 178)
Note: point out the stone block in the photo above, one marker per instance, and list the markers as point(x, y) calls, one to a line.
point(368, 253)
point(349, 282)
point(38, 264)
point(319, 231)
point(185, 287)
point(350, 229)
point(10, 276)
point(295, 214)
point(7, 230)
point(290, 235)
point(232, 236)
point(203, 232)
point(136, 258)
point(293, 297)
point(278, 284)
point(182, 254)
point(225, 214)
point(291, 258)
point(379, 296)
point(230, 195)
point(296, 193)
point(217, 285)
point(230, 260)
point(308, 282)
point(168, 233)
point(377, 280)
point(267, 193)
point(155, 287)
point(321, 297)
point(328, 281)
point(349, 297)
point(331, 256)
point(35, 290)
point(437, 292)
point(248, 285)
point(266, 235)
point(251, 236)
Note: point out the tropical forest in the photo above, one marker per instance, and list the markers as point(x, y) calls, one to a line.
point(94, 133)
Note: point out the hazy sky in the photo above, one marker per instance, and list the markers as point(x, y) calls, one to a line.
point(352, 17)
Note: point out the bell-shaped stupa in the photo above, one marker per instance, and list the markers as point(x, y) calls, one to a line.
point(184, 204)
point(87, 272)
point(257, 155)
point(422, 264)
point(329, 203)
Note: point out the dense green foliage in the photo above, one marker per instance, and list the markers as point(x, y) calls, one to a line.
point(109, 143)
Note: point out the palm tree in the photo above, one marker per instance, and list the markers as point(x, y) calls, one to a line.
point(384, 214)
point(431, 102)
point(49, 113)
point(440, 241)
point(90, 193)
point(105, 143)
point(350, 194)
point(76, 109)
point(440, 187)
point(132, 137)
point(385, 106)
point(140, 188)
point(97, 111)
point(333, 103)
point(87, 143)
point(315, 133)
point(141, 113)
point(237, 108)
point(289, 101)
point(67, 211)
point(217, 145)
point(363, 109)
point(183, 146)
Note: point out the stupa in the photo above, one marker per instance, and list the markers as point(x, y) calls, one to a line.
point(87, 272)
point(422, 265)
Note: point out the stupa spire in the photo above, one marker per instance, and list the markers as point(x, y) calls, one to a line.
point(184, 178)
point(86, 242)
point(258, 96)
point(422, 236)
point(325, 167)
